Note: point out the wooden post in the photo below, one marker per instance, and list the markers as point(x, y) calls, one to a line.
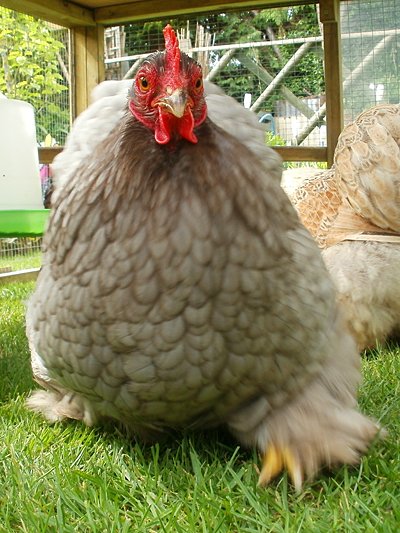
point(88, 63)
point(224, 60)
point(281, 75)
point(330, 19)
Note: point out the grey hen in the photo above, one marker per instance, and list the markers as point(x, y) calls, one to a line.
point(179, 290)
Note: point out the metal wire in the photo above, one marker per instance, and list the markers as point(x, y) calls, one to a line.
point(19, 253)
point(261, 70)
point(371, 54)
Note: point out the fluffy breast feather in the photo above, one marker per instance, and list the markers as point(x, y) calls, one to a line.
point(168, 266)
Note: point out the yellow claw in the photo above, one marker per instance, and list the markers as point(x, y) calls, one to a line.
point(272, 465)
point(275, 460)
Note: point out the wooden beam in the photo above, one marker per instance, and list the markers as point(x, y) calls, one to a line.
point(330, 19)
point(278, 79)
point(301, 153)
point(268, 78)
point(315, 121)
point(79, 87)
point(223, 61)
point(20, 275)
point(46, 155)
point(88, 64)
point(59, 12)
point(288, 153)
point(159, 9)
point(95, 56)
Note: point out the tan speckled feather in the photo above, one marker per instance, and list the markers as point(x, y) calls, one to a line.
point(367, 160)
point(358, 199)
point(317, 201)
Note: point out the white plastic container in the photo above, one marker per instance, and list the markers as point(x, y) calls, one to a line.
point(20, 186)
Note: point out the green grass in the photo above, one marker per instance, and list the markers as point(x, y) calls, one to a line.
point(21, 262)
point(69, 478)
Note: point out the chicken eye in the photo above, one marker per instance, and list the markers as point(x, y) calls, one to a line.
point(144, 83)
point(198, 85)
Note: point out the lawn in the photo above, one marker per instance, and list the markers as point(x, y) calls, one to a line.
point(69, 478)
point(20, 261)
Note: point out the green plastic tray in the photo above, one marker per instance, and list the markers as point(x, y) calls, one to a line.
point(23, 222)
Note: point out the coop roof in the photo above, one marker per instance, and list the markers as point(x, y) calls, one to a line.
point(92, 12)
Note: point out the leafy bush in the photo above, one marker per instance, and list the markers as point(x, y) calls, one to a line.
point(31, 70)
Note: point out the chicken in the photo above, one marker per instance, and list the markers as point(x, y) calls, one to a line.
point(109, 100)
point(179, 290)
point(353, 211)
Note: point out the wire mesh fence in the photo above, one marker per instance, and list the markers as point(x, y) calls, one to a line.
point(19, 254)
point(35, 67)
point(270, 60)
point(371, 54)
point(272, 53)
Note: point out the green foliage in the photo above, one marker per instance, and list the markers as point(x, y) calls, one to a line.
point(248, 26)
point(321, 165)
point(274, 140)
point(283, 23)
point(30, 70)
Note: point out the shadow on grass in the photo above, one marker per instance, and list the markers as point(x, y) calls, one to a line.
point(16, 378)
point(207, 444)
point(15, 367)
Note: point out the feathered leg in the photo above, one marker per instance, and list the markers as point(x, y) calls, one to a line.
point(321, 427)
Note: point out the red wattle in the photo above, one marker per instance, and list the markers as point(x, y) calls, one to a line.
point(186, 125)
point(162, 134)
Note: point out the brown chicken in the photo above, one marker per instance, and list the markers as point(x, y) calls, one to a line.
point(179, 290)
point(353, 211)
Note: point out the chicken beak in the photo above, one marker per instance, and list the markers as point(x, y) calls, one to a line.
point(174, 103)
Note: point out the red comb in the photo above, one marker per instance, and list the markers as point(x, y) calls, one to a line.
point(173, 54)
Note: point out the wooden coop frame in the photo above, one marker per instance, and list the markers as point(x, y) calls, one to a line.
point(87, 20)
